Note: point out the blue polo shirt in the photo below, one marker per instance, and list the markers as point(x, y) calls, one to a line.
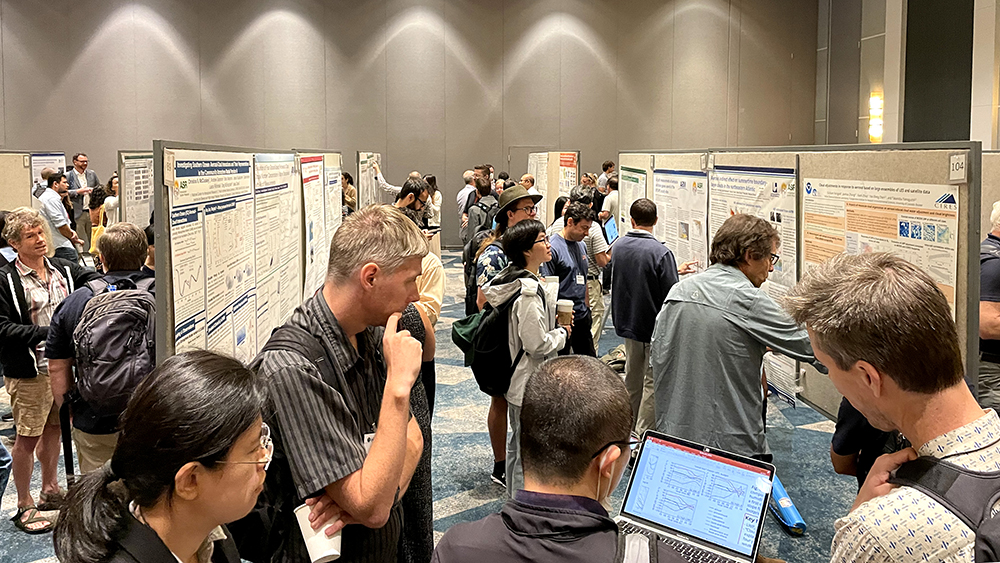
point(569, 264)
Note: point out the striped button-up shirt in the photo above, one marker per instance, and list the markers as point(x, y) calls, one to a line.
point(320, 426)
point(42, 297)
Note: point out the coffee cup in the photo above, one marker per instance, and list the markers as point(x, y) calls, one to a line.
point(322, 549)
point(564, 312)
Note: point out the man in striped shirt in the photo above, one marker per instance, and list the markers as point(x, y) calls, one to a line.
point(348, 439)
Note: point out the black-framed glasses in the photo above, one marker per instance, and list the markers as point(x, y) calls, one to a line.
point(266, 445)
point(632, 443)
point(544, 239)
point(529, 209)
point(774, 258)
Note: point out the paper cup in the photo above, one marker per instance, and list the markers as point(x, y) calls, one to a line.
point(564, 311)
point(321, 548)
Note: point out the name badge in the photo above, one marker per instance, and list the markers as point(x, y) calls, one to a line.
point(369, 438)
point(580, 280)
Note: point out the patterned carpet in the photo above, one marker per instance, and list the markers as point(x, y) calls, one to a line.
point(462, 459)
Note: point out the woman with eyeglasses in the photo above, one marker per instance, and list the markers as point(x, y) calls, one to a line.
point(191, 457)
point(532, 324)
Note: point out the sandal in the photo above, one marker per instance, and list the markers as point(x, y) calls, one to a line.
point(51, 501)
point(33, 518)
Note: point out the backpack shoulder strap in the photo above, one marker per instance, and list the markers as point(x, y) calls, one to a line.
point(97, 286)
point(970, 495)
point(145, 284)
point(294, 339)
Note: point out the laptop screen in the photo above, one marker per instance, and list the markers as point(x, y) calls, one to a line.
point(701, 494)
point(611, 230)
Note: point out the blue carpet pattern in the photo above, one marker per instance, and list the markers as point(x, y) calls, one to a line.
point(462, 459)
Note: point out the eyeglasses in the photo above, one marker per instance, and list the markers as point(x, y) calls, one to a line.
point(530, 210)
point(632, 443)
point(774, 258)
point(266, 444)
point(544, 239)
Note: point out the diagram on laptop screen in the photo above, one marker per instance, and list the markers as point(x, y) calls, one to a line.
point(699, 494)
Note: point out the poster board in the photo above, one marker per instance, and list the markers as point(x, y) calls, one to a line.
point(322, 214)
point(229, 248)
point(368, 189)
point(135, 187)
point(278, 236)
point(569, 172)
point(766, 189)
point(681, 198)
point(632, 185)
point(43, 160)
point(899, 184)
point(538, 166)
point(15, 179)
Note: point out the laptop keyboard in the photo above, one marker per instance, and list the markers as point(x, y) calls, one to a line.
point(688, 551)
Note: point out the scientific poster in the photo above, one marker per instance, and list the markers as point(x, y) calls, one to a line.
point(538, 166)
point(368, 189)
point(334, 198)
point(279, 240)
point(567, 172)
point(314, 205)
point(135, 188)
point(917, 222)
point(681, 199)
point(42, 160)
point(631, 186)
point(212, 251)
point(768, 193)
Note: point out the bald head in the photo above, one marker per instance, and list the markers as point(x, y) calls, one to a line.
point(527, 181)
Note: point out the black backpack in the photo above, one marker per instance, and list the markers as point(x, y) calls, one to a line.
point(264, 531)
point(469, 260)
point(484, 337)
point(969, 495)
point(115, 342)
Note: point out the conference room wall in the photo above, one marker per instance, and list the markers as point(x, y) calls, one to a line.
point(434, 85)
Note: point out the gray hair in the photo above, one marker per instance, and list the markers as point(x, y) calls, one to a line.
point(467, 176)
point(995, 217)
point(21, 219)
point(379, 234)
point(880, 309)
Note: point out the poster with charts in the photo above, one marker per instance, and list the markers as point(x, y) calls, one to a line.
point(277, 220)
point(334, 198)
point(917, 222)
point(538, 166)
point(681, 198)
point(631, 186)
point(42, 160)
point(567, 172)
point(314, 210)
point(368, 188)
point(768, 193)
point(136, 188)
point(212, 251)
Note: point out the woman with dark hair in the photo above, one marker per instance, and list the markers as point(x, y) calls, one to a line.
point(191, 457)
point(350, 193)
point(533, 335)
point(433, 204)
point(557, 208)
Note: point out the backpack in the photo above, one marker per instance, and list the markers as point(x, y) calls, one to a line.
point(491, 213)
point(484, 337)
point(264, 531)
point(115, 343)
point(969, 495)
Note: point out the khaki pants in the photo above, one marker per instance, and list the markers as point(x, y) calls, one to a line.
point(32, 404)
point(92, 450)
point(596, 309)
point(639, 383)
point(83, 227)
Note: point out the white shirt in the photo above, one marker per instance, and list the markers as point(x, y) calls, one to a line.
point(111, 209)
point(82, 180)
point(54, 212)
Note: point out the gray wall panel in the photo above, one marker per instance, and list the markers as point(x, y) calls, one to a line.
point(473, 87)
point(700, 73)
point(415, 87)
point(845, 72)
point(232, 39)
point(645, 75)
point(167, 71)
point(433, 85)
point(294, 72)
point(355, 78)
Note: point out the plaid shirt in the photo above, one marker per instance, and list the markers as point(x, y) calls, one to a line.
point(42, 296)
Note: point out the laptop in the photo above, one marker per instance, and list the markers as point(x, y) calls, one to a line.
point(706, 503)
point(611, 231)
